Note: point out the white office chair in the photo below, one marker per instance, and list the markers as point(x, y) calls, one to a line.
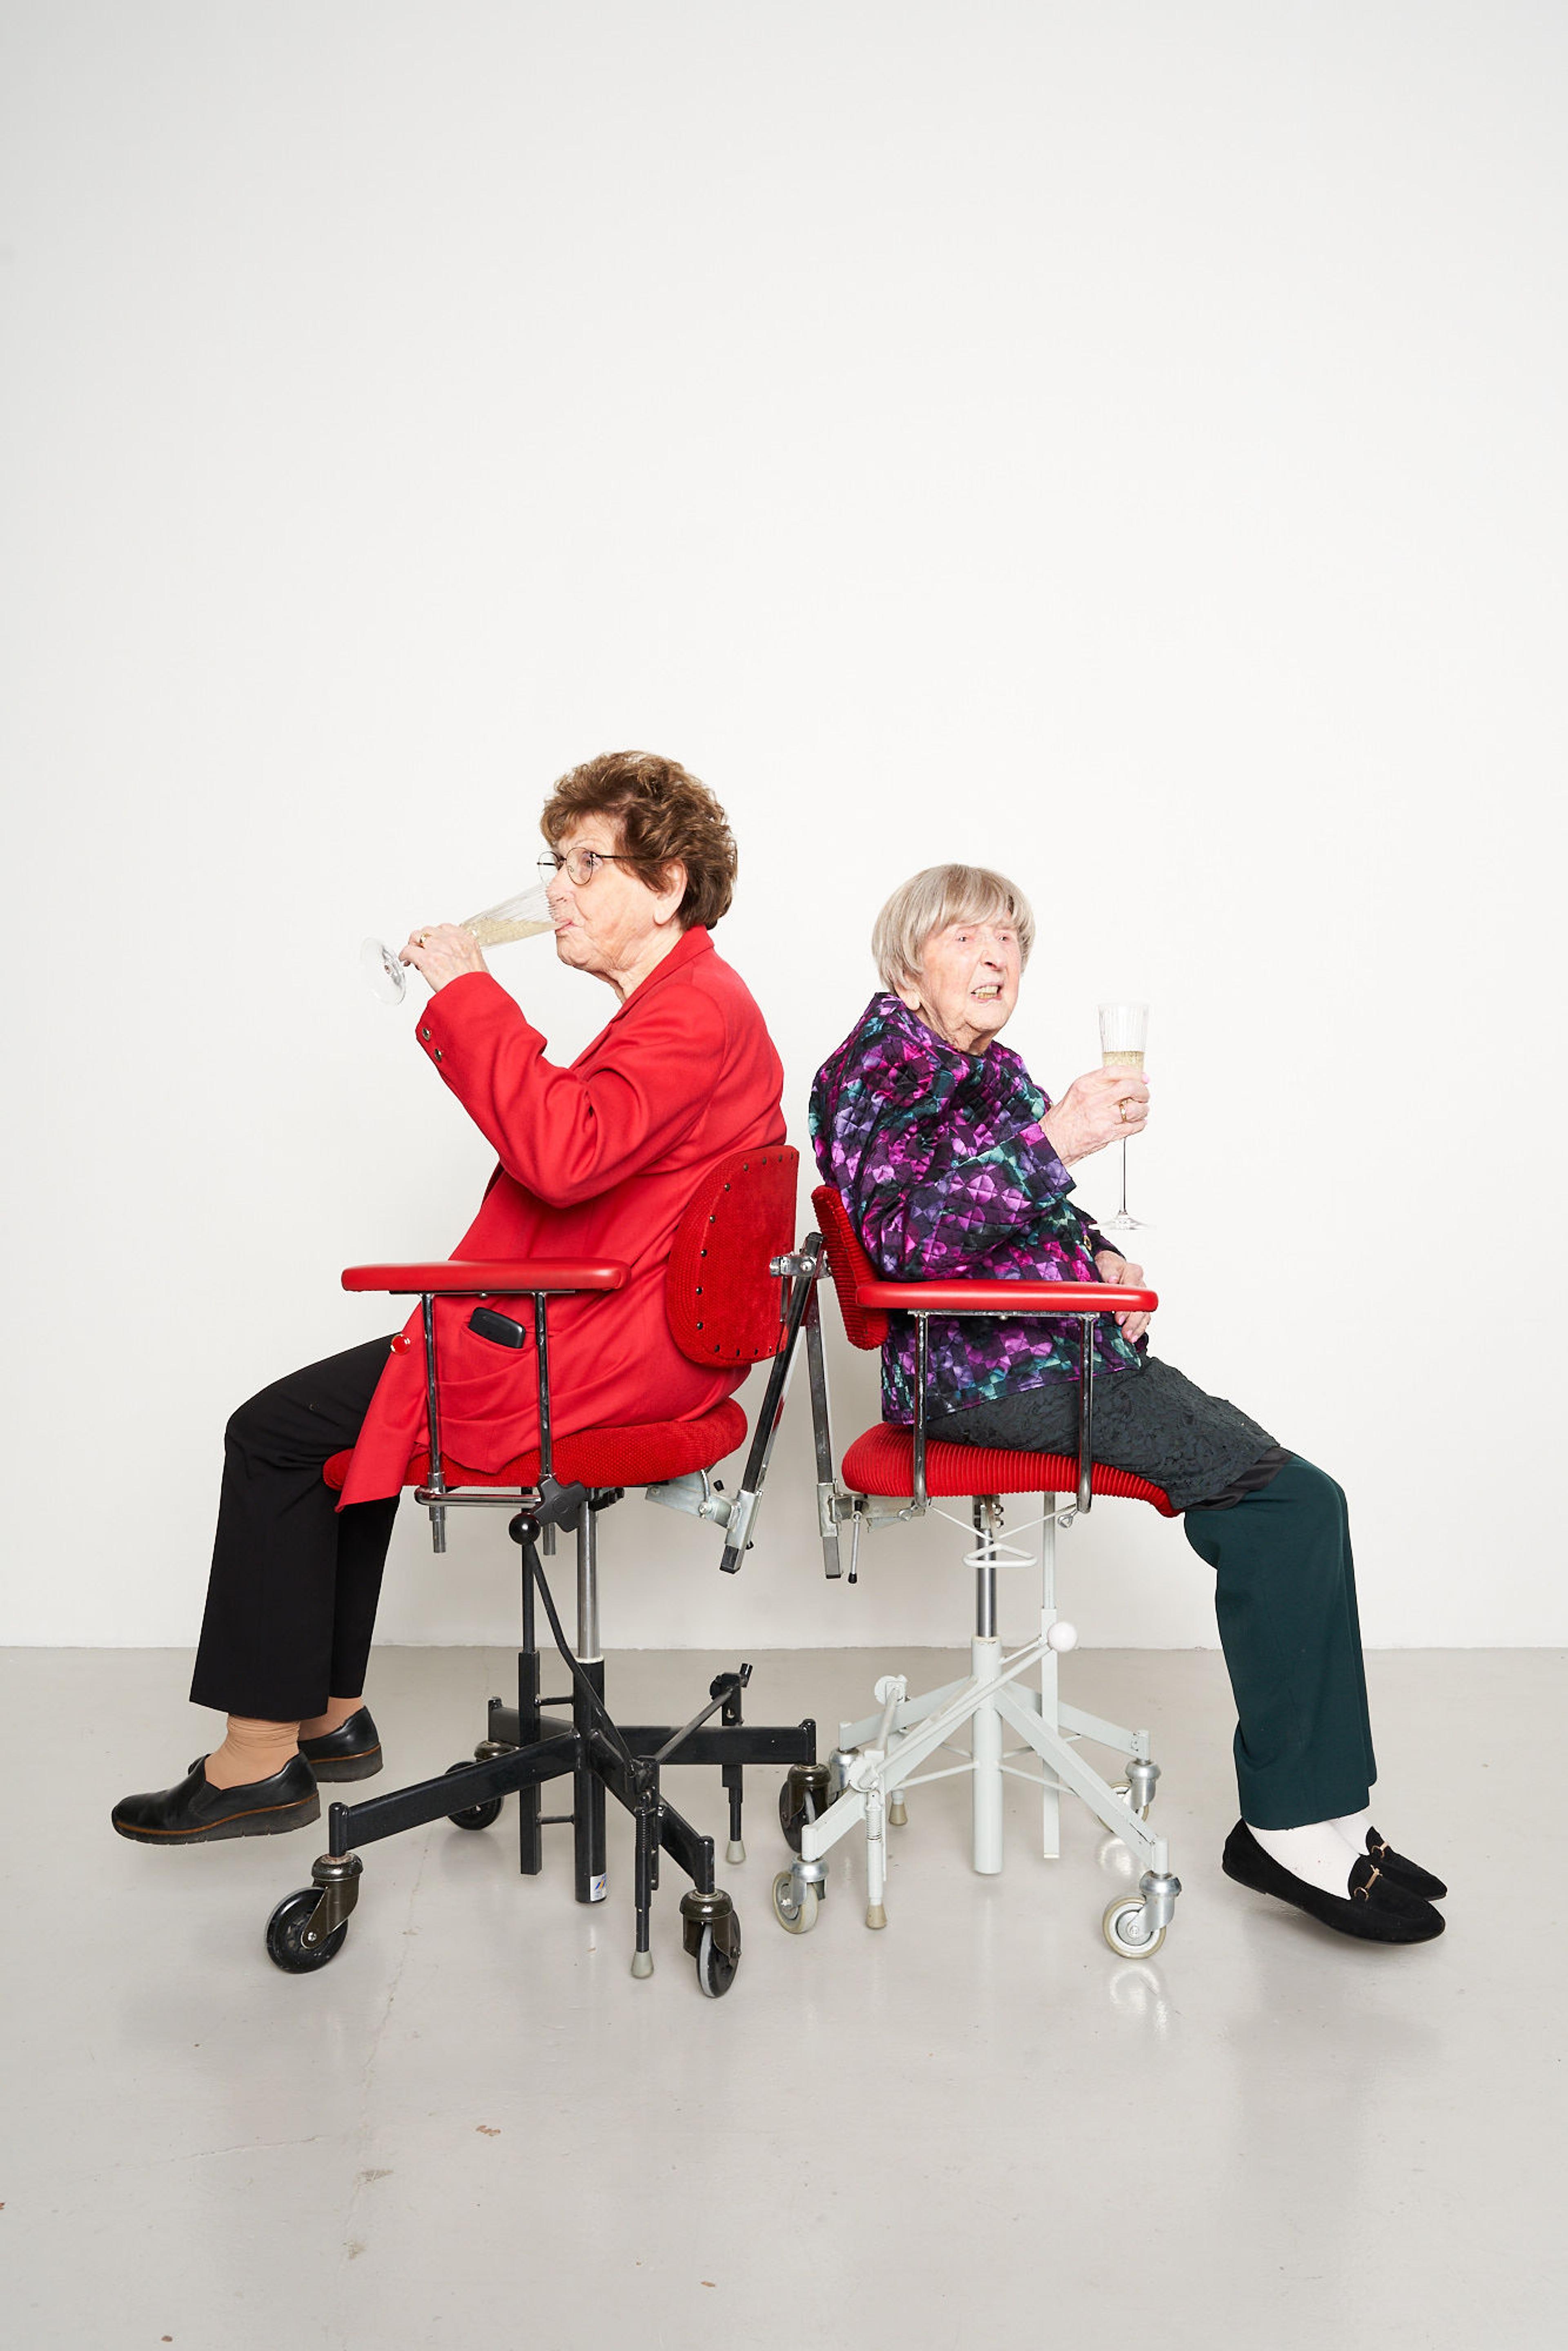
point(892, 1475)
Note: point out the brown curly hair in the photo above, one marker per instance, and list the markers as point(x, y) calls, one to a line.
point(663, 815)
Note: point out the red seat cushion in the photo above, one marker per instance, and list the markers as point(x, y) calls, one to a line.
point(882, 1462)
point(640, 1455)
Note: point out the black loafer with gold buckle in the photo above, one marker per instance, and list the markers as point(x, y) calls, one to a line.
point(1407, 1874)
point(1373, 1910)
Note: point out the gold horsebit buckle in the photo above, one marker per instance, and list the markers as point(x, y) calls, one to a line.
point(1364, 1892)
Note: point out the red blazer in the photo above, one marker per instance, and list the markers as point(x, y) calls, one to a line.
point(597, 1160)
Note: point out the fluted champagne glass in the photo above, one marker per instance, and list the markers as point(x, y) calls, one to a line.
point(1124, 1032)
point(526, 916)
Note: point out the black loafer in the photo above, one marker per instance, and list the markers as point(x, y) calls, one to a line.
point(1374, 1910)
point(1404, 1873)
point(195, 1812)
point(352, 1752)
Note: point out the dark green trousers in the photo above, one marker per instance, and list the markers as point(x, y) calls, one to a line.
point(1285, 1598)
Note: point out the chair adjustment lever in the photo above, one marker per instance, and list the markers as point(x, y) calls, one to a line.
point(558, 1504)
point(700, 1496)
point(722, 1690)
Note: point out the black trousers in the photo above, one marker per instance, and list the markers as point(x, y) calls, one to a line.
point(291, 1599)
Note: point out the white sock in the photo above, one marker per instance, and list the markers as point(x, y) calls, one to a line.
point(1316, 1853)
point(1353, 1827)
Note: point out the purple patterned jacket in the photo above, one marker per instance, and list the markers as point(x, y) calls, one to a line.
point(947, 1175)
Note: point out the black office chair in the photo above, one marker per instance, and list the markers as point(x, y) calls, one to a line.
point(734, 1292)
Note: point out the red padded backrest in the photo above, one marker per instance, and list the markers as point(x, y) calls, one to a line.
point(719, 1296)
point(850, 1266)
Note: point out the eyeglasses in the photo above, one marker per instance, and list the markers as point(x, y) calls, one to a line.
point(580, 866)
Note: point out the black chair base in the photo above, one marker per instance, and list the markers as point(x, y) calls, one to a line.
point(524, 1750)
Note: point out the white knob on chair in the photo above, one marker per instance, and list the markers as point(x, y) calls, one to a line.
point(1062, 1636)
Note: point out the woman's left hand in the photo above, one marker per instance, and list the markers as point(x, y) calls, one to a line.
point(443, 951)
point(1118, 1269)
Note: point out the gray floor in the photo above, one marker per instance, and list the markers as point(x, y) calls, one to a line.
point(475, 2128)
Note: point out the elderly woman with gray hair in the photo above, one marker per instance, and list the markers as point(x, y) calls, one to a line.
point(953, 1165)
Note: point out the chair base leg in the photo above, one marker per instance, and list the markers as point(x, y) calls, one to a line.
point(994, 1698)
point(985, 1758)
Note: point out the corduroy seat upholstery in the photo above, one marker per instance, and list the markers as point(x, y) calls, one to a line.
point(882, 1462)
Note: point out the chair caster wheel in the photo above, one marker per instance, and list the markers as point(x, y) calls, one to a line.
point(710, 1934)
point(285, 1944)
point(897, 1811)
point(795, 1906)
point(1123, 1794)
point(1120, 1924)
point(641, 1964)
point(716, 1966)
point(876, 1914)
point(805, 1795)
point(475, 1816)
point(735, 1850)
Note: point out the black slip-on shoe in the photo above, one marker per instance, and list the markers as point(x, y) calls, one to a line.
point(195, 1812)
point(1407, 1874)
point(1373, 1910)
point(352, 1752)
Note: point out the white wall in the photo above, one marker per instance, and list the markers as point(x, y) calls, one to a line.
point(1120, 443)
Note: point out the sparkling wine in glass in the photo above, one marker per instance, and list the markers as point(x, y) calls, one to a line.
point(526, 916)
point(1124, 1032)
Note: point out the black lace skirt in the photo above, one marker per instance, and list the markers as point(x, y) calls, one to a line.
point(1151, 1421)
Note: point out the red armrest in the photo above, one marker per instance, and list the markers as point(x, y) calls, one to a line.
point(1006, 1297)
point(472, 1279)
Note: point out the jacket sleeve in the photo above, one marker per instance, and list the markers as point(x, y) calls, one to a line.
point(570, 1135)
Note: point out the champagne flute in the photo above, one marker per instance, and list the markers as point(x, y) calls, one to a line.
point(1124, 1032)
point(526, 916)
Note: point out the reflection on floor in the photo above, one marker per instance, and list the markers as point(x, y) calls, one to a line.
point(475, 2128)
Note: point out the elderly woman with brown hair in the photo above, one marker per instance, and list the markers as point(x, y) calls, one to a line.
point(597, 1159)
point(953, 1165)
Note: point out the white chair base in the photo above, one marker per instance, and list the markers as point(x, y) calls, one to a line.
point(881, 1757)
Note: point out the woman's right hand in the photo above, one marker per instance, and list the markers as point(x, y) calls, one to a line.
point(1101, 1107)
point(442, 952)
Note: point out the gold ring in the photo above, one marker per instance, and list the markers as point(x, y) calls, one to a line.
point(1121, 1106)
point(419, 942)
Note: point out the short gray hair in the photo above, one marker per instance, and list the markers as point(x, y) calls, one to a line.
point(928, 902)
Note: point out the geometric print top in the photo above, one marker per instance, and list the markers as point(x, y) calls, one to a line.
point(947, 1176)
